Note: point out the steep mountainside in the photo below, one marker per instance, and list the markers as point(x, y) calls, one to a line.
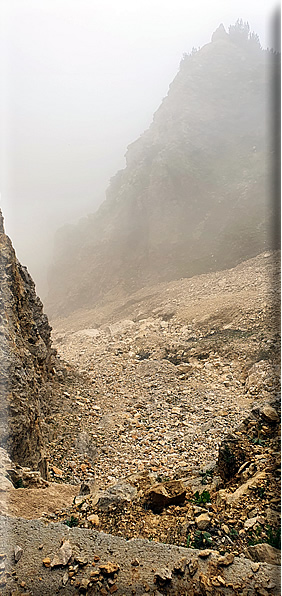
point(195, 195)
point(26, 361)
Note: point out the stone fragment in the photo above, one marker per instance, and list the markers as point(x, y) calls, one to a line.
point(82, 560)
point(179, 567)
point(249, 523)
point(122, 492)
point(84, 585)
point(135, 563)
point(273, 517)
point(46, 562)
point(255, 567)
point(226, 559)
point(269, 414)
point(94, 519)
point(184, 368)
point(165, 494)
point(95, 573)
point(193, 566)
point(265, 553)
point(18, 551)
point(65, 578)
point(234, 498)
point(163, 575)
point(203, 521)
point(63, 555)
point(203, 554)
point(56, 471)
point(109, 568)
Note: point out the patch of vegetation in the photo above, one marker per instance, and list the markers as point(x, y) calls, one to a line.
point(271, 536)
point(162, 478)
point(258, 441)
point(19, 483)
point(274, 536)
point(202, 498)
point(200, 540)
point(72, 522)
point(206, 477)
point(233, 533)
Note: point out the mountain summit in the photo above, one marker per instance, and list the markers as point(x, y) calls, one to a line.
point(196, 193)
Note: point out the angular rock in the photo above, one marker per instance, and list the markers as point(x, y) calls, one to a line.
point(164, 494)
point(203, 521)
point(233, 498)
point(18, 551)
point(63, 556)
point(193, 566)
point(109, 568)
point(265, 553)
point(226, 560)
point(179, 567)
point(163, 575)
point(122, 492)
point(94, 519)
point(84, 585)
point(269, 414)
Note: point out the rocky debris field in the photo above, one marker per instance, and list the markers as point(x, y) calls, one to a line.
point(164, 424)
point(161, 386)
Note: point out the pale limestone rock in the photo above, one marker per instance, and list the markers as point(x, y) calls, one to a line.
point(203, 521)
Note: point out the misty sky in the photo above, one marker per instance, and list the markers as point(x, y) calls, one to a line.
point(80, 80)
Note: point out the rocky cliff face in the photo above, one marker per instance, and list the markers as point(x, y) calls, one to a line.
point(195, 195)
point(26, 361)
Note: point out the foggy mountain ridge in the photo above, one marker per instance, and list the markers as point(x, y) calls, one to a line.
point(195, 195)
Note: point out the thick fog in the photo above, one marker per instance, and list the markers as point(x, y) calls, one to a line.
point(80, 80)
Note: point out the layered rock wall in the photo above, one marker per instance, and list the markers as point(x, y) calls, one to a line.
point(26, 358)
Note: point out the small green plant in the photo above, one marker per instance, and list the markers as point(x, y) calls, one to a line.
point(72, 522)
point(273, 536)
point(206, 476)
point(260, 491)
point(19, 483)
point(161, 478)
point(233, 533)
point(201, 499)
point(201, 539)
point(258, 441)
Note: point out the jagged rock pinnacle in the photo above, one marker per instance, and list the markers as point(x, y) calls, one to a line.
point(219, 33)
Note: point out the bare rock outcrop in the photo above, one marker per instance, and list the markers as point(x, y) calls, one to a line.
point(27, 360)
point(187, 202)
